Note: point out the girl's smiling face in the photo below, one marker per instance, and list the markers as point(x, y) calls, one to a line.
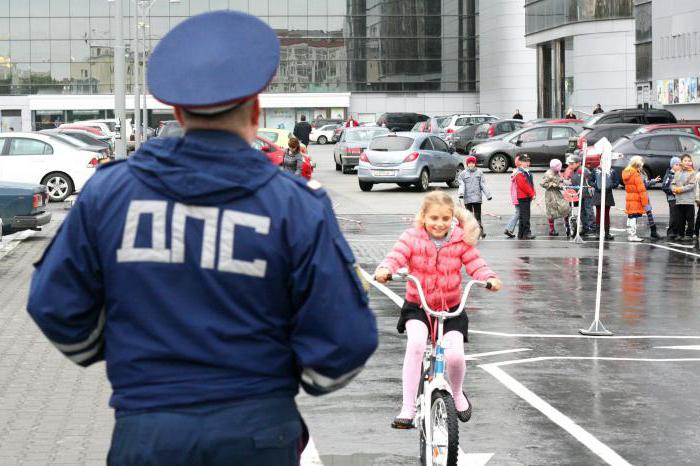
point(687, 163)
point(438, 219)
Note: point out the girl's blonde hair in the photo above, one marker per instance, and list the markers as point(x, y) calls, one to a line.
point(636, 162)
point(465, 219)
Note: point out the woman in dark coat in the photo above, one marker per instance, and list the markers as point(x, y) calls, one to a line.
point(293, 161)
point(611, 182)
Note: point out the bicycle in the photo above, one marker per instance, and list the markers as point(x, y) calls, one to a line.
point(438, 431)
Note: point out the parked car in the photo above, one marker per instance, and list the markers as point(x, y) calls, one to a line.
point(276, 153)
point(408, 159)
point(656, 149)
point(632, 115)
point(462, 137)
point(40, 158)
point(171, 129)
point(346, 153)
point(456, 122)
point(112, 126)
point(280, 137)
point(591, 135)
point(400, 121)
point(487, 131)
point(542, 143)
point(22, 207)
point(690, 128)
point(88, 137)
point(103, 151)
point(323, 134)
point(337, 133)
point(321, 122)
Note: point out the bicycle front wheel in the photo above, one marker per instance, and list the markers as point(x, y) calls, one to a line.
point(444, 442)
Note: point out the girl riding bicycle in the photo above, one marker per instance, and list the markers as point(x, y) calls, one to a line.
point(434, 250)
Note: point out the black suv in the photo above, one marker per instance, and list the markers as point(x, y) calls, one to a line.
point(400, 121)
point(593, 134)
point(632, 115)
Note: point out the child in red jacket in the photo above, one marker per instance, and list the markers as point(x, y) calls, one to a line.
point(435, 251)
point(526, 194)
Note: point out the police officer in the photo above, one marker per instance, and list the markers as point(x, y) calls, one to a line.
point(212, 283)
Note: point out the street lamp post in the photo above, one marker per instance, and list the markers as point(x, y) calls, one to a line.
point(135, 77)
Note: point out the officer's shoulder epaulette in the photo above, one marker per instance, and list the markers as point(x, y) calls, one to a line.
point(111, 164)
point(312, 186)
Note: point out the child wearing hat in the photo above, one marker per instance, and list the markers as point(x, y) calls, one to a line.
point(472, 188)
point(513, 222)
point(683, 186)
point(554, 201)
point(674, 168)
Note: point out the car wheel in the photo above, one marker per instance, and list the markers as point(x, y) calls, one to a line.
point(454, 183)
point(344, 168)
point(337, 167)
point(365, 185)
point(322, 140)
point(498, 163)
point(59, 186)
point(423, 181)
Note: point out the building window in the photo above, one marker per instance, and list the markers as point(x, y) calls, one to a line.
point(541, 15)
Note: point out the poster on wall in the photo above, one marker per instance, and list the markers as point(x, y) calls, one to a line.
point(693, 90)
point(659, 92)
point(676, 91)
point(668, 94)
point(683, 91)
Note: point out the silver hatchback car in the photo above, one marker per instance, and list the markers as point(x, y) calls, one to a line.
point(408, 159)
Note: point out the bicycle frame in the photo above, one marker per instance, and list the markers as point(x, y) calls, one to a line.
point(433, 378)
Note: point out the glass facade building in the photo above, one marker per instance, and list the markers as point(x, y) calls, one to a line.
point(541, 15)
point(66, 46)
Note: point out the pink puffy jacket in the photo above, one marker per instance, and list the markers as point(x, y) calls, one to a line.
point(439, 272)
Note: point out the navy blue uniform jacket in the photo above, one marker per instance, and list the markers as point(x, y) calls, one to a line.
point(202, 273)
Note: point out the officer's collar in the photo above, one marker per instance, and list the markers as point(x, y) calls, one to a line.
point(216, 137)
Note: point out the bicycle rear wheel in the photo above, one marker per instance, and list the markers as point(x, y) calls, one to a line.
point(444, 447)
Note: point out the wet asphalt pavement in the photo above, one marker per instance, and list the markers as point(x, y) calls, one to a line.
point(569, 399)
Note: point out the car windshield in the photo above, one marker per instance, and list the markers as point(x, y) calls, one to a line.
point(514, 134)
point(391, 143)
point(641, 130)
point(364, 135)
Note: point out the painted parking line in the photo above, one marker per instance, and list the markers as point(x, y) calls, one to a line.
point(606, 453)
point(472, 357)
point(9, 242)
point(688, 347)
point(661, 246)
point(399, 302)
point(473, 459)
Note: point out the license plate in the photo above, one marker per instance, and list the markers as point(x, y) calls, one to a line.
point(383, 172)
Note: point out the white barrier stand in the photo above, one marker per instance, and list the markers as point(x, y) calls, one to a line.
point(597, 328)
point(577, 239)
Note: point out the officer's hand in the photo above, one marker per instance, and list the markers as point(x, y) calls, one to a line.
point(495, 284)
point(382, 275)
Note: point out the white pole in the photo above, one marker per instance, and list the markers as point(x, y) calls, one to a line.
point(144, 118)
point(135, 77)
point(578, 238)
point(601, 241)
point(119, 80)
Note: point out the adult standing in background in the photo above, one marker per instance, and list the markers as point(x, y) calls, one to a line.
point(517, 115)
point(302, 130)
point(351, 122)
point(598, 109)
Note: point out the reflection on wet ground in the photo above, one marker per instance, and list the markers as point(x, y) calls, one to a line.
point(631, 393)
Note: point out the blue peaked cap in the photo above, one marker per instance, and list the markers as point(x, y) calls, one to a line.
point(213, 61)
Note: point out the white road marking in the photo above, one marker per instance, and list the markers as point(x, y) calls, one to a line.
point(399, 302)
point(473, 459)
point(684, 246)
point(689, 347)
point(10, 242)
point(309, 457)
point(588, 358)
point(471, 357)
point(673, 249)
point(606, 453)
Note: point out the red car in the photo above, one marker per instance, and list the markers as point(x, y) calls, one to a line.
point(689, 128)
point(275, 153)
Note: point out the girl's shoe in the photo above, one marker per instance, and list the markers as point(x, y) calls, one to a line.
point(553, 233)
point(402, 423)
point(509, 234)
point(634, 239)
point(465, 415)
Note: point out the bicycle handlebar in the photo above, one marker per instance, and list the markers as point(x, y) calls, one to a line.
point(402, 274)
